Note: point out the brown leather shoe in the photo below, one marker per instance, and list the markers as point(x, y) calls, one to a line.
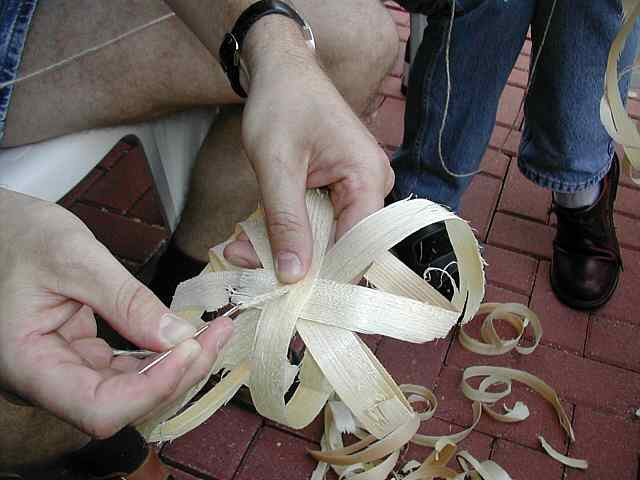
point(586, 255)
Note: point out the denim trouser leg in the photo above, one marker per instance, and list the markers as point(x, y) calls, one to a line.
point(564, 145)
point(486, 41)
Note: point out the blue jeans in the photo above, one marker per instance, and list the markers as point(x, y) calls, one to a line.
point(15, 18)
point(564, 146)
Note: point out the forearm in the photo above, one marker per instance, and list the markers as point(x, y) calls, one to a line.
point(272, 35)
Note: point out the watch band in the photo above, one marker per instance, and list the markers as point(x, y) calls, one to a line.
point(232, 42)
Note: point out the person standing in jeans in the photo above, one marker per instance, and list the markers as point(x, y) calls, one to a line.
point(564, 146)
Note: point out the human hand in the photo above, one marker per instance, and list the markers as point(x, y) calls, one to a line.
point(54, 275)
point(299, 133)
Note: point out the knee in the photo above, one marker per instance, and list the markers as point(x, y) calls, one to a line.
point(378, 42)
point(363, 53)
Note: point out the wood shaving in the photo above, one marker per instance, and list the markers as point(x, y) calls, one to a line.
point(568, 461)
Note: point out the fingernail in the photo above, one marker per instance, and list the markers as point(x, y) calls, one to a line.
point(174, 329)
point(239, 262)
point(288, 267)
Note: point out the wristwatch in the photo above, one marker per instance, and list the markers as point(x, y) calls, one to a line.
point(232, 42)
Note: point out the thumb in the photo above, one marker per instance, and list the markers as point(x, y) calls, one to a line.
point(126, 304)
point(283, 199)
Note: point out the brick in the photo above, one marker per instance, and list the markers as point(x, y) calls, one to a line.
point(498, 138)
point(398, 67)
point(181, 474)
point(576, 379)
point(627, 230)
point(312, 432)
point(391, 87)
point(509, 269)
point(521, 235)
point(413, 363)
point(623, 304)
point(563, 327)
point(522, 462)
point(275, 455)
point(522, 197)
point(387, 124)
point(628, 201)
point(76, 192)
point(400, 17)
point(509, 105)
point(118, 152)
point(526, 48)
point(624, 178)
point(494, 163)
point(610, 444)
point(477, 443)
point(148, 209)
point(125, 183)
point(454, 407)
point(124, 237)
point(372, 341)
point(479, 202)
point(518, 78)
point(494, 293)
point(615, 343)
point(217, 447)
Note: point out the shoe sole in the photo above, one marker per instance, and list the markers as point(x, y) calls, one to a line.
point(586, 305)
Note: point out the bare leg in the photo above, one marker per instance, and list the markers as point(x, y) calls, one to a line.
point(165, 67)
point(32, 436)
point(223, 189)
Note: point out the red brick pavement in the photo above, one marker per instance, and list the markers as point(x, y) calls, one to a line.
point(592, 360)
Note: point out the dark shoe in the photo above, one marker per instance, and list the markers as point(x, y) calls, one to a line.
point(586, 255)
point(125, 456)
point(174, 267)
point(427, 248)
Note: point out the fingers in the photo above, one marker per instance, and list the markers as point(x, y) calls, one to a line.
point(187, 364)
point(101, 403)
point(101, 282)
point(354, 199)
point(95, 351)
point(81, 325)
point(283, 191)
point(242, 254)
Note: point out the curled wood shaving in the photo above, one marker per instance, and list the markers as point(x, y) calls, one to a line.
point(568, 461)
point(517, 315)
point(504, 376)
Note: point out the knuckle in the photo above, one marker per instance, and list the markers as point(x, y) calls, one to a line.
point(283, 224)
point(132, 301)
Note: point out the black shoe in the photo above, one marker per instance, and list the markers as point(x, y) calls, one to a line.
point(126, 455)
point(429, 248)
point(586, 256)
point(174, 267)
